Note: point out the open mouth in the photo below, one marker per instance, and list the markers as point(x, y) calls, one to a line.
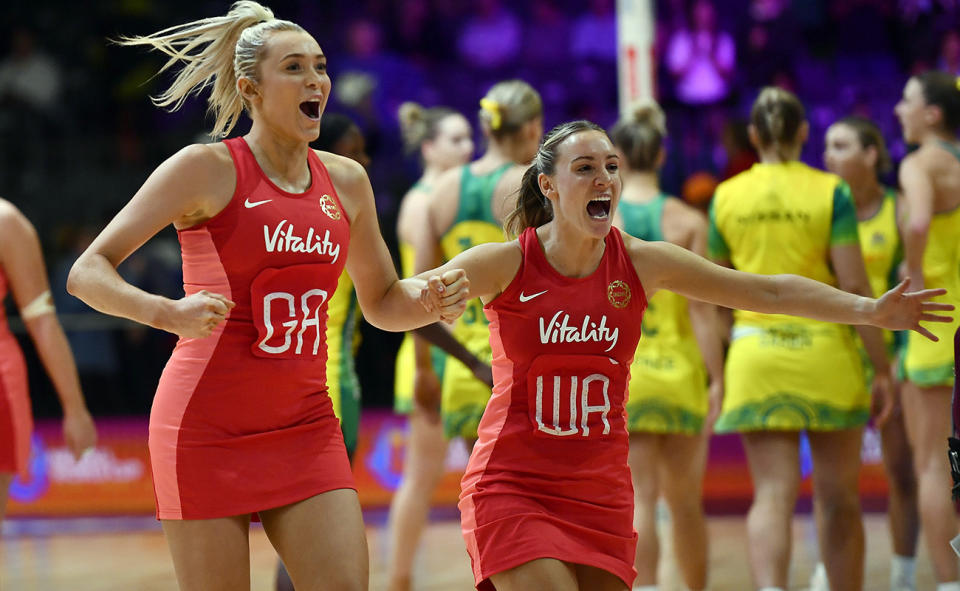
point(599, 209)
point(311, 109)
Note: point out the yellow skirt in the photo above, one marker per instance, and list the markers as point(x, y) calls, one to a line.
point(927, 363)
point(464, 397)
point(791, 377)
point(668, 389)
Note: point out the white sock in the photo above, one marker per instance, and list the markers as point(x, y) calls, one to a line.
point(951, 586)
point(902, 571)
point(645, 588)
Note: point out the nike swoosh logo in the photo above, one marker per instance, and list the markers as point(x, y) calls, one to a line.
point(250, 204)
point(527, 298)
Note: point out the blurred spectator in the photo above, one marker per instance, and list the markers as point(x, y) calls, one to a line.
point(28, 76)
point(491, 37)
point(701, 58)
point(418, 33)
point(594, 34)
point(740, 155)
point(771, 42)
point(950, 53)
point(30, 84)
point(547, 39)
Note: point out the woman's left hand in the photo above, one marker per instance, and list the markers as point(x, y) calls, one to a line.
point(79, 432)
point(899, 309)
point(447, 293)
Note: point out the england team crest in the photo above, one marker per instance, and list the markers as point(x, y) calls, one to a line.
point(329, 207)
point(618, 293)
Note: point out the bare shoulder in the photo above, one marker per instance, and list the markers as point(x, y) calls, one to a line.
point(689, 216)
point(920, 160)
point(447, 183)
point(504, 200)
point(203, 161)
point(16, 232)
point(413, 204)
point(12, 221)
point(652, 259)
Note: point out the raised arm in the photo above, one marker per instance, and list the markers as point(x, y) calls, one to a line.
point(191, 186)
point(22, 261)
point(666, 266)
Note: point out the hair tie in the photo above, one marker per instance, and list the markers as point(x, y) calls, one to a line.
point(493, 107)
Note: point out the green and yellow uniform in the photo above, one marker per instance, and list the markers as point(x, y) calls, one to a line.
point(925, 362)
point(882, 253)
point(668, 379)
point(342, 383)
point(406, 359)
point(783, 372)
point(464, 397)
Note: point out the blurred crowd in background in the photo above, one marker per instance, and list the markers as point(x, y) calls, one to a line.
point(78, 133)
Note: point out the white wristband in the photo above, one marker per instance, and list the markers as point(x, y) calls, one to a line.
point(41, 305)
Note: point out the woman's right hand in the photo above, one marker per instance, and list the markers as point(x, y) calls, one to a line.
point(197, 315)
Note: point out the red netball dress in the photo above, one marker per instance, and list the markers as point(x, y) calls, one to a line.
point(16, 422)
point(548, 477)
point(242, 420)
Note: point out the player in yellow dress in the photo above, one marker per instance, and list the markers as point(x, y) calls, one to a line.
point(667, 410)
point(929, 114)
point(442, 139)
point(465, 208)
point(785, 375)
point(856, 152)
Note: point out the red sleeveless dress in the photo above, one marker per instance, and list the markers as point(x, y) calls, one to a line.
point(16, 420)
point(241, 420)
point(548, 477)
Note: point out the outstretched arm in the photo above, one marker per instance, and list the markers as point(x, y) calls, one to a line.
point(667, 266)
point(389, 303)
point(22, 261)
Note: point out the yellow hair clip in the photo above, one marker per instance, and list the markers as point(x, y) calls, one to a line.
point(957, 82)
point(492, 107)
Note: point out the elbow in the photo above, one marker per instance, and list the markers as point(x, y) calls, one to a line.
point(74, 279)
point(916, 230)
point(78, 278)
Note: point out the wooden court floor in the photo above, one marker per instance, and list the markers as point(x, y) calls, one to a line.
point(138, 560)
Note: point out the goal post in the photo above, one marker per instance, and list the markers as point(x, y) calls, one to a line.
point(635, 46)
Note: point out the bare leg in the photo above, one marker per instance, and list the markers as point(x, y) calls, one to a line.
point(422, 470)
point(210, 554)
point(591, 578)
point(902, 510)
point(321, 541)
point(543, 573)
point(836, 468)
point(683, 459)
point(644, 451)
point(927, 411)
point(775, 469)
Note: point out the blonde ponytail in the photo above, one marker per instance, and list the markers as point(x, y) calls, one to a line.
point(641, 136)
point(215, 51)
